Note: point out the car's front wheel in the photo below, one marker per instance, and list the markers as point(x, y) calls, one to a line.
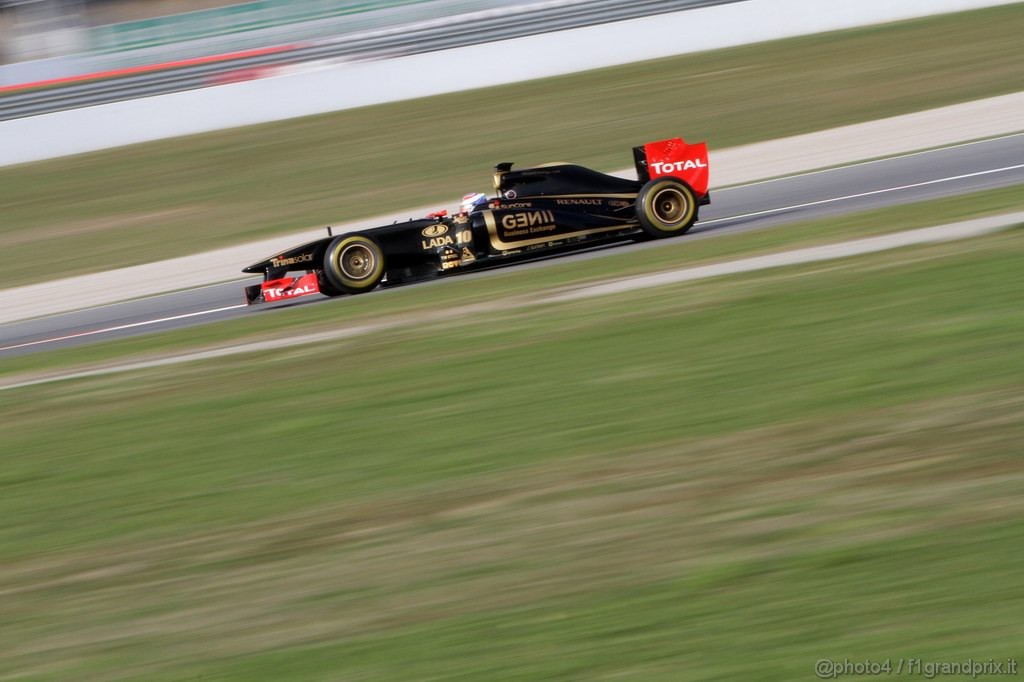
point(354, 264)
point(666, 207)
point(326, 288)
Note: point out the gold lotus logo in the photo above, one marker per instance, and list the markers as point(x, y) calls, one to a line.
point(435, 230)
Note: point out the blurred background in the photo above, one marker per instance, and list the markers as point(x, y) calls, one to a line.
point(476, 478)
point(51, 39)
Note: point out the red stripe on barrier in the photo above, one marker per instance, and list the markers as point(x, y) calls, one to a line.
point(195, 61)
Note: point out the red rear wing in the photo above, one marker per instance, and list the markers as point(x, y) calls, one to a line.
point(688, 162)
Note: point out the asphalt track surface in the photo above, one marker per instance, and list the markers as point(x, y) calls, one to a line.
point(940, 173)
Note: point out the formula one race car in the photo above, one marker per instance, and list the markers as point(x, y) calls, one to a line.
point(535, 211)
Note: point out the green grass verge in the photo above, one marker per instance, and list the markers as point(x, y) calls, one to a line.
point(171, 198)
point(518, 282)
point(810, 462)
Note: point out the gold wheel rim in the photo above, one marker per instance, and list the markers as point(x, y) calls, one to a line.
point(670, 205)
point(357, 262)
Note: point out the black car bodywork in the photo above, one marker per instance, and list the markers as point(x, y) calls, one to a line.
point(534, 211)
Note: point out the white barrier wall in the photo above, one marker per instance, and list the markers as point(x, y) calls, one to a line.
point(360, 84)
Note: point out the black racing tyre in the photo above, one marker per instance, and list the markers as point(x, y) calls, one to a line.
point(353, 264)
point(666, 207)
point(326, 288)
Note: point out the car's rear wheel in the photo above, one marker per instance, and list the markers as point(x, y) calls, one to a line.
point(666, 207)
point(353, 264)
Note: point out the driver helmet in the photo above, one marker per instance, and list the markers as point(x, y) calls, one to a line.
point(472, 201)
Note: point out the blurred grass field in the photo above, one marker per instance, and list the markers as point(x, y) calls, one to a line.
point(172, 198)
point(725, 479)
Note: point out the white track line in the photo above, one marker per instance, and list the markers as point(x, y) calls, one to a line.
point(862, 194)
point(120, 327)
point(811, 254)
point(883, 159)
point(707, 222)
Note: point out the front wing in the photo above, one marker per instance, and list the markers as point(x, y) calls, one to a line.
point(282, 289)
